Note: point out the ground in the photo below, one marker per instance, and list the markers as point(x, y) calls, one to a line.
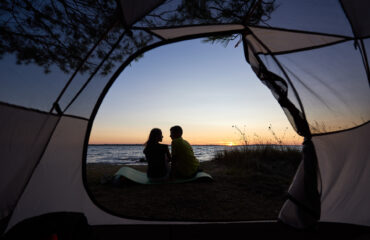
point(233, 195)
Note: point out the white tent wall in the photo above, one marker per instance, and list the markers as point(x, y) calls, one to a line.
point(23, 136)
point(344, 161)
point(57, 182)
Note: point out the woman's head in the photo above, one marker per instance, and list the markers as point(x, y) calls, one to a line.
point(155, 136)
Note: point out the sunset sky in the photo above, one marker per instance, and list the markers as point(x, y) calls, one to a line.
point(204, 88)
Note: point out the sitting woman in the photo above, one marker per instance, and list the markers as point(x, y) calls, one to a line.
point(157, 156)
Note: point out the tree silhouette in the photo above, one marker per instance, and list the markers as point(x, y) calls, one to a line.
point(189, 12)
point(62, 32)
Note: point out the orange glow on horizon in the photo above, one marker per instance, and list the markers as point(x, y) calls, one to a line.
point(114, 138)
point(227, 143)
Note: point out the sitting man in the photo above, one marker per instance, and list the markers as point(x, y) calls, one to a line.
point(184, 163)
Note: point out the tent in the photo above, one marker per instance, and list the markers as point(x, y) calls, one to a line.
point(59, 58)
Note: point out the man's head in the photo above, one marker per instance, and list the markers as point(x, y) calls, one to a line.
point(176, 132)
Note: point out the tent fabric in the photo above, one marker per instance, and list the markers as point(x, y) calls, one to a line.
point(21, 131)
point(134, 10)
point(279, 41)
point(358, 16)
point(170, 33)
point(314, 16)
point(304, 192)
point(58, 66)
point(344, 163)
point(320, 77)
point(56, 184)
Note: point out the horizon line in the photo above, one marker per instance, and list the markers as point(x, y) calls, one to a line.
point(141, 144)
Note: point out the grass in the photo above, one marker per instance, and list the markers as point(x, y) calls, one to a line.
point(271, 160)
point(250, 184)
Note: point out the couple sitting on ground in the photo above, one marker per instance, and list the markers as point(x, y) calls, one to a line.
point(183, 162)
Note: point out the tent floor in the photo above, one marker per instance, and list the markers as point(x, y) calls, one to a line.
point(67, 225)
point(249, 230)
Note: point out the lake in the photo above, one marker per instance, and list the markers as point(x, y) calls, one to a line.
point(133, 154)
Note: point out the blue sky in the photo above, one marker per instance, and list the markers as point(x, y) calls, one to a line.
point(205, 88)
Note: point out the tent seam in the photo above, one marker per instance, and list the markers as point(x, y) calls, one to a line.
point(306, 48)
point(41, 111)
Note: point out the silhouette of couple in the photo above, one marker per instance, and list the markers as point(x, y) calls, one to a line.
point(182, 159)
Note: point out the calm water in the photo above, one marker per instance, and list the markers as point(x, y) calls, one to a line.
point(133, 154)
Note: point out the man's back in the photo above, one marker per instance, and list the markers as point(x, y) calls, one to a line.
point(184, 163)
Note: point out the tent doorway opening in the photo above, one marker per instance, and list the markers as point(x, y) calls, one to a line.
point(236, 128)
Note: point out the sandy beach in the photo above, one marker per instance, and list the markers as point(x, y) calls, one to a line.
point(233, 195)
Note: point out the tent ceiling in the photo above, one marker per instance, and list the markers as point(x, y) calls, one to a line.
point(133, 10)
point(282, 41)
point(276, 40)
point(358, 14)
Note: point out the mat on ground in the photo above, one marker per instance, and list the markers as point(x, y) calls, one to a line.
point(141, 177)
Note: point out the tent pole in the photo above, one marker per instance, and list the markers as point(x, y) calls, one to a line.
point(356, 38)
point(96, 70)
point(364, 59)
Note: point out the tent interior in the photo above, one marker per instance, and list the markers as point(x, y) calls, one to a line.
point(60, 58)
